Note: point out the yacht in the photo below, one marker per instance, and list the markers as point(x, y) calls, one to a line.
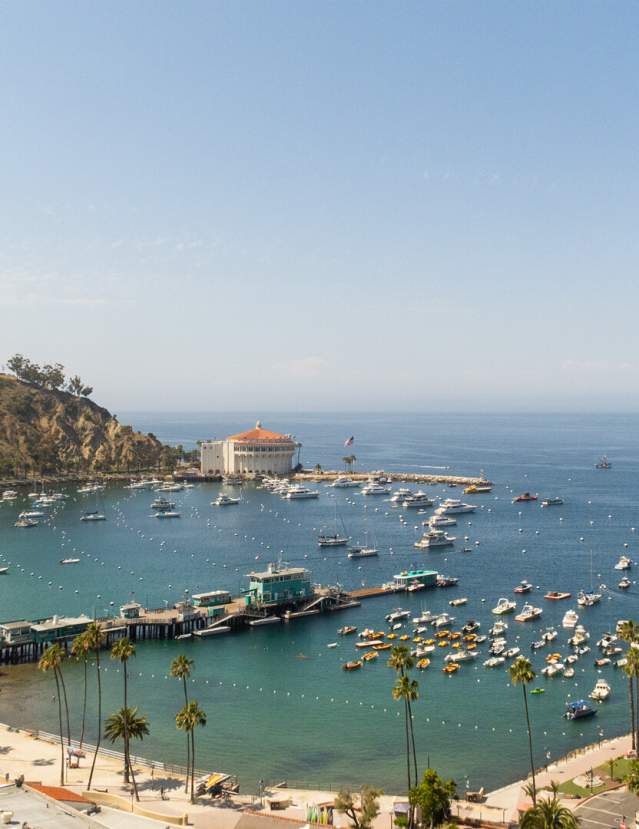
point(373, 488)
point(332, 540)
point(362, 552)
point(571, 617)
point(624, 563)
point(504, 606)
point(443, 620)
point(223, 500)
point(452, 506)
point(344, 483)
point(494, 662)
point(601, 691)
point(523, 587)
point(417, 501)
point(93, 515)
point(437, 521)
point(624, 583)
point(162, 503)
point(578, 710)
point(397, 615)
point(9, 495)
point(69, 561)
point(167, 514)
point(33, 514)
point(297, 492)
point(585, 599)
point(400, 495)
point(26, 522)
point(552, 502)
point(434, 538)
point(528, 613)
point(522, 499)
point(603, 463)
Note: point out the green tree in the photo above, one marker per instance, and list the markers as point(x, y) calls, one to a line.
point(123, 649)
point(80, 650)
point(181, 668)
point(631, 670)
point(317, 469)
point(548, 813)
point(433, 796)
point(361, 809)
point(76, 386)
point(632, 778)
point(521, 673)
point(349, 460)
point(95, 638)
point(407, 690)
point(187, 720)
point(127, 725)
point(51, 660)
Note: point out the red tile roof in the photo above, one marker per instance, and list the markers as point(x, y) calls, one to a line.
point(258, 434)
point(58, 793)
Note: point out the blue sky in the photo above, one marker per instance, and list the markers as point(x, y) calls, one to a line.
point(324, 205)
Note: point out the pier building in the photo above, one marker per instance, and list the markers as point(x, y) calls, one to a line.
point(58, 628)
point(279, 585)
point(403, 580)
point(255, 452)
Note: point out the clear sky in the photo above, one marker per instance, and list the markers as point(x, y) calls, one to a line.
point(324, 205)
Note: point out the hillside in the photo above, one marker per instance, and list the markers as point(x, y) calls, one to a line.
point(49, 431)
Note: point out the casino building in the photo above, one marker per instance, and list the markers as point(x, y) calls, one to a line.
point(256, 452)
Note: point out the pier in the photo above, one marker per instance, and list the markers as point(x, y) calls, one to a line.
point(326, 476)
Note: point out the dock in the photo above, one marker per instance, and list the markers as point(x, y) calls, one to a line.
point(327, 476)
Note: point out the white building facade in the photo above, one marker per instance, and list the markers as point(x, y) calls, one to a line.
point(256, 452)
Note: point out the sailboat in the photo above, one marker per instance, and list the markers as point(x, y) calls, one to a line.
point(588, 598)
point(603, 463)
point(363, 550)
point(336, 538)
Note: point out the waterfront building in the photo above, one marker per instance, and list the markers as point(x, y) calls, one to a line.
point(130, 610)
point(407, 577)
point(214, 601)
point(279, 585)
point(16, 633)
point(59, 627)
point(255, 452)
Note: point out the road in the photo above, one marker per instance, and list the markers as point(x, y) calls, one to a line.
point(607, 810)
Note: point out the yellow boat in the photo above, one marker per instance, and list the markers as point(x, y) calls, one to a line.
point(443, 644)
point(442, 634)
point(392, 636)
point(417, 639)
point(455, 635)
point(429, 642)
point(451, 668)
point(471, 647)
point(404, 637)
point(470, 637)
point(553, 657)
point(422, 664)
point(383, 647)
point(352, 666)
point(369, 656)
point(456, 645)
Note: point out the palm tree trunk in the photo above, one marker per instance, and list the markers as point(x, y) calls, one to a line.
point(530, 746)
point(57, 685)
point(408, 775)
point(66, 706)
point(193, 765)
point(99, 739)
point(412, 739)
point(84, 703)
point(135, 785)
point(631, 695)
point(636, 710)
point(188, 742)
point(127, 757)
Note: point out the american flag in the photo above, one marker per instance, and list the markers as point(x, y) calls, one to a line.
point(349, 441)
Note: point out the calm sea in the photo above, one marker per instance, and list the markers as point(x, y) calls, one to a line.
point(278, 703)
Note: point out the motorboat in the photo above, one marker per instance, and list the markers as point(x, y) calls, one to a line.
point(498, 629)
point(397, 615)
point(603, 463)
point(523, 587)
point(362, 552)
point(94, 515)
point(4, 571)
point(569, 672)
point(298, 492)
point(624, 583)
point(511, 653)
point(347, 630)
point(437, 521)
point(223, 500)
point(478, 488)
point(443, 620)
point(232, 480)
point(461, 656)
point(453, 506)
point(554, 669)
point(161, 503)
point(624, 563)
point(69, 561)
point(26, 522)
point(571, 617)
point(601, 663)
point(9, 495)
point(504, 606)
point(471, 626)
point(332, 540)
point(524, 497)
point(265, 620)
point(539, 643)
point(462, 600)
point(373, 488)
point(400, 495)
point(424, 618)
point(549, 635)
point(601, 691)
point(167, 514)
point(494, 662)
point(579, 637)
point(417, 501)
point(33, 514)
point(215, 630)
point(445, 581)
point(588, 599)
point(556, 595)
point(552, 502)
point(344, 483)
point(528, 613)
point(434, 538)
point(579, 710)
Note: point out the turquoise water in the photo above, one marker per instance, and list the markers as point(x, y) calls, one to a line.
point(279, 705)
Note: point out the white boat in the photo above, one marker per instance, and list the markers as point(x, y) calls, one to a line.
point(400, 495)
point(94, 515)
point(223, 500)
point(167, 514)
point(588, 599)
point(424, 618)
point(170, 487)
point(9, 495)
point(437, 521)
point(498, 628)
point(213, 631)
point(579, 637)
point(298, 492)
point(26, 522)
point(494, 662)
point(162, 503)
point(443, 620)
point(344, 483)
point(453, 506)
point(266, 620)
point(571, 617)
point(624, 583)
point(373, 488)
point(232, 480)
point(362, 552)
point(434, 538)
point(397, 615)
point(554, 669)
point(33, 514)
point(69, 561)
point(601, 691)
point(461, 656)
point(417, 501)
point(549, 635)
point(624, 563)
point(504, 606)
point(511, 653)
point(528, 613)
point(4, 571)
point(458, 602)
point(335, 539)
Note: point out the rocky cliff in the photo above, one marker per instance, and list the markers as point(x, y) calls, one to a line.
point(44, 431)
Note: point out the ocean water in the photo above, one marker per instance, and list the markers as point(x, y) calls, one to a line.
point(278, 702)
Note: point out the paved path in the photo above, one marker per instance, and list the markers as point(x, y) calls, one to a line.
point(607, 810)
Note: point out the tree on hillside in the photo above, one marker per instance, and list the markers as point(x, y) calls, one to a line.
point(75, 385)
point(433, 796)
point(361, 809)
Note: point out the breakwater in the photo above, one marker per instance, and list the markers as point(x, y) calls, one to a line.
point(326, 476)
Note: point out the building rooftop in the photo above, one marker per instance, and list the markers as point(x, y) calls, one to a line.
point(260, 434)
point(406, 574)
point(59, 622)
point(15, 625)
point(279, 571)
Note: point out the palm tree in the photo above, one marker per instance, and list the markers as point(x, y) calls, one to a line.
point(402, 662)
point(631, 670)
point(95, 639)
point(123, 649)
point(188, 719)
point(124, 725)
point(181, 668)
point(548, 813)
point(632, 778)
point(349, 460)
point(51, 660)
point(80, 650)
point(521, 673)
point(629, 632)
